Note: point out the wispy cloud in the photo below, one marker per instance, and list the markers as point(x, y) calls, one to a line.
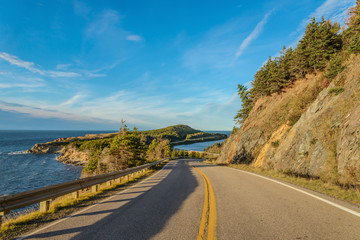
point(58, 74)
point(134, 38)
point(14, 81)
point(215, 49)
point(72, 100)
point(253, 35)
point(63, 66)
point(20, 63)
point(46, 113)
point(106, 23)
point(94, 75)
point(334, 9)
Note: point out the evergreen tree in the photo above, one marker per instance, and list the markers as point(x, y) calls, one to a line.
point(246, 105)
point(319, 43)
point(128, 148)
point(351, 36)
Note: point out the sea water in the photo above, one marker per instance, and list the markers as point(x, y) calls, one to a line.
point(20, 171)
point(201, 145)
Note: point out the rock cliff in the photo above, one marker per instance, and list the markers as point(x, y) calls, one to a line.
point(309, 129)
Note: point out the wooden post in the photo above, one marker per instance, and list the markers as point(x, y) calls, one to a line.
point(2, 214)
point(108, 183)
point(76, 194)
point(94, 188)
point(45, 206)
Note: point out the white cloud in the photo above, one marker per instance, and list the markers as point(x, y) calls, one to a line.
point(18, 62)
point(334, 9)
point(27, 83)
point(253, 35)
point(106, 23)
point(134, 38)
point(72, 100)
point(56, 74)
point(94, 75)
point(46, 113)
point(62, 66)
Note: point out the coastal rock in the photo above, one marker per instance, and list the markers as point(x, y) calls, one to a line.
point(42, 148)
point(71, 155)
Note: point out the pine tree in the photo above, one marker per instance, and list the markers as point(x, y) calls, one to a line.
point(351, 36)
point(246, 105)
point(319, 43)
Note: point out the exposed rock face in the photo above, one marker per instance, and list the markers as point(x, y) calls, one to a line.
point(324, 142)
point(45, 148)
point(71, 155)
point(68, 154)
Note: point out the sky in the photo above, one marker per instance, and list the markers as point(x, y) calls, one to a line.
point(68, 65)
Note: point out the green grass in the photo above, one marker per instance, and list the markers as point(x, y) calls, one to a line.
point(336, 90)
point(350, 195)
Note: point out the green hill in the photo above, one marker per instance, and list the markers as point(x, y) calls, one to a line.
point(173, 133)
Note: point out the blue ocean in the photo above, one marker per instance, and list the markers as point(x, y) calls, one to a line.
point(201, 145)
point(21, 171)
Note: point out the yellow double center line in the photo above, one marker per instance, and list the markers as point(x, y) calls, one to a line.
point(209, 211)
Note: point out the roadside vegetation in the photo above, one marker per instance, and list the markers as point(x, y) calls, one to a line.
point(324, 48)
point(348, 194)
point(215, 148)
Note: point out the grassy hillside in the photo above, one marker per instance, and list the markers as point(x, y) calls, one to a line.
point(173, 133)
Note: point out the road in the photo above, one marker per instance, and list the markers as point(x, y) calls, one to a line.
point(238, 205)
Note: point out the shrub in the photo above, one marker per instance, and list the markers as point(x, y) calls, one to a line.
point(336, 90)
point(275, 144)
point(334, 68)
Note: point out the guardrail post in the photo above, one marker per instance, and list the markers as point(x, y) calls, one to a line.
point(45, 206)
point(2, 214)
point(76, 194)
point(95, 188)
point(108, 183)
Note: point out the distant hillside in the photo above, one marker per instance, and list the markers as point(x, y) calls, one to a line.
point(173, 133)
point(182, 133)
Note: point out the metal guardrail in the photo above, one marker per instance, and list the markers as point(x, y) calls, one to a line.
point(45, 194)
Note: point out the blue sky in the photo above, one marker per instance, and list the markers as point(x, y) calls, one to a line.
point(89, 64)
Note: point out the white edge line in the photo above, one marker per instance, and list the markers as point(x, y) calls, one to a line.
point(304, 192)
point(85, 209)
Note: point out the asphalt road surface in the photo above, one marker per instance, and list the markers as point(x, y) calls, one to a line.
point(238, 205)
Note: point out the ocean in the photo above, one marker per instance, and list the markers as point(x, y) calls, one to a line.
point(201, 145)
point(20, 171)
